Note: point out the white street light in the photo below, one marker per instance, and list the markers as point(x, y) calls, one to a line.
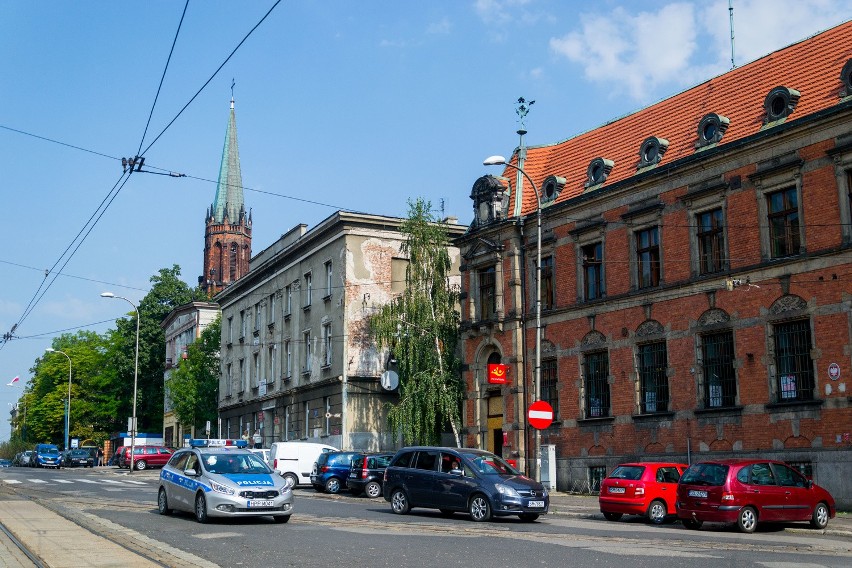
point(135, 377)
point(501, 161)
point(68, 402)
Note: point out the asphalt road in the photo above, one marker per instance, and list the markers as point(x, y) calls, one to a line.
point(347, 531)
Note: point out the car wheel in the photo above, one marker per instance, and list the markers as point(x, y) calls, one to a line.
point(141, 464)
point(657, 512)
point(612, 516)
point(201, 508)
point(479, 508)
point(163, 502)
point(373, 489)
point(281, 519)
point(747, 520)
point(528, 517)
point(291, 480)
point(399, 502)
point(819, 520)
point(692, 524)
point(332, 485)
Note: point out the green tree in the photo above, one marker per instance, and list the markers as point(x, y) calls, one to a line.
point(167, 292)
point(421, 328)
point(194, 386)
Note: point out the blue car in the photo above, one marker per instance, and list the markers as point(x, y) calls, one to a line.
point(46, 455)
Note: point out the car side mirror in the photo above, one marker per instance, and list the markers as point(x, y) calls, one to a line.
point(191, 473)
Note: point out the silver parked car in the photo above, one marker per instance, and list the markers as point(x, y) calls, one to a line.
point(218, 478)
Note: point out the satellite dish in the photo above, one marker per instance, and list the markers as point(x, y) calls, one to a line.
point(390, 380)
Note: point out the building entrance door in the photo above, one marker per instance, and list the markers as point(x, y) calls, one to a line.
point(494, 438)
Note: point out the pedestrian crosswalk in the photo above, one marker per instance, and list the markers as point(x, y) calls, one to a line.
point(72, 481)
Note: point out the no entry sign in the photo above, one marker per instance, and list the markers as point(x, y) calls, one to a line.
point(540, 414)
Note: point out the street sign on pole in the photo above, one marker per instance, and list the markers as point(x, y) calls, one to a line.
point(540, 415)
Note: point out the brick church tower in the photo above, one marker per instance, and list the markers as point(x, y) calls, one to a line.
point(227, 232)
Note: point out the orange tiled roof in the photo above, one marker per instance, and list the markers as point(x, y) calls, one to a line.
point(811, 66)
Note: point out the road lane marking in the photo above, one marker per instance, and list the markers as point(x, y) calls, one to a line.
point(12, 481)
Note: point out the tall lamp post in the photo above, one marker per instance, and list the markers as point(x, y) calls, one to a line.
point(501, 161)
point(67, 402)
point(135, 378)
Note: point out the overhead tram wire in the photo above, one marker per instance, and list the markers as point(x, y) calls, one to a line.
point(66, 275)
point(172, 121)
point(163, 77)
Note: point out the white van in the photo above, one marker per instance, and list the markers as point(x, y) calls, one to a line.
point(295, 460)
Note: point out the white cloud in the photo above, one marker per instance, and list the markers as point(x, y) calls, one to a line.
point(684, 43)
point(440, 28)
point(636, 53)
point(763, 26)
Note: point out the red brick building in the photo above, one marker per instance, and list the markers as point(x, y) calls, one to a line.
point(696, 278)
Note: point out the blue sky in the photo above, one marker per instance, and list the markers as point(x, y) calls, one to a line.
point(355, 105)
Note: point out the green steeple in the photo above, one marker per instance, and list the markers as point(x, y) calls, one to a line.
point(229, 190)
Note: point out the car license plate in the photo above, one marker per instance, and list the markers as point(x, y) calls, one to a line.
point(616, 489)
point(697, 493)
point(261, 503)
point(536, 504)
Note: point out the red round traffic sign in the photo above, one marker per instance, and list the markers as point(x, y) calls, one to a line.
point(540, 414)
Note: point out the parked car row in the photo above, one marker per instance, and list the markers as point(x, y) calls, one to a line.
point(743, 492)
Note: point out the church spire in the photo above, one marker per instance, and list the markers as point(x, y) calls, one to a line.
point(227, 232)
point(229, 189)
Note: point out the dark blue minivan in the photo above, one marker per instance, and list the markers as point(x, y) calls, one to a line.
point(462, 479)
point(331, 470)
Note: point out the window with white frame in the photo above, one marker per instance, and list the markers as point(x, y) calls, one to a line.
point(270, 375)
point(326, 344)
point(288, 300)
point(308, 289)
point(256, 379)
point(328, 279)
point(306, 337)
point(257, 316)
point(270, 309)
point(288, 359)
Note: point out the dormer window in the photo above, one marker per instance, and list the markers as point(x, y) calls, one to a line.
point(711, 129)
point(846, 79)
point(780, 103)
point(598, 171)
point(651, 152)
point(551, 188)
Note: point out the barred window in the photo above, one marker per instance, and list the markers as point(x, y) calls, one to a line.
point(710, 241)
point(720, 380)
point(793, 361)
point(648, 258)
point(654, 383)
point(783, 222)
point(487, 294)
point(596, 370)
point(549, 394)
point(548, 296)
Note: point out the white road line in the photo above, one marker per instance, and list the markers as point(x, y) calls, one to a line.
point(87, 481)
point(62, 481)
point(135, 482)
point(12, 481)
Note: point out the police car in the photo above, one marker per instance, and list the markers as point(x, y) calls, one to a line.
point(219, 478)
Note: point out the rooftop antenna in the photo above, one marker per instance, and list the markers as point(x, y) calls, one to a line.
point(731, 17)
point(522, 110)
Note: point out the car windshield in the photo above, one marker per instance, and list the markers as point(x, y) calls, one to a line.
point(705, 474)
point(80, 453)
point(226, 463)
point(632, 472)
point(490, 464)
point(49, 452)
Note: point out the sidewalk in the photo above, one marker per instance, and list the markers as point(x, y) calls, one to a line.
point(56, 541)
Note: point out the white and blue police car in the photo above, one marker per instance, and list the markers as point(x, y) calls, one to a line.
point(220, 478)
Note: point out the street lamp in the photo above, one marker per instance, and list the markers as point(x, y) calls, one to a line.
point(68, 402)
point(501, 161)
point(135, 377)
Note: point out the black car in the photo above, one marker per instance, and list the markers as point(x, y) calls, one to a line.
point(461, 479)
point(366, 474)
point(331, 470)
point(78, 458)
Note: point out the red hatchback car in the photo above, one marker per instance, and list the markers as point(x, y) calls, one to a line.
point(747, 491)
point(643, 488)
point(144, 456)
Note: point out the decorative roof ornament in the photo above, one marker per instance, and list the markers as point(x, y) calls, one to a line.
point(522, 110)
